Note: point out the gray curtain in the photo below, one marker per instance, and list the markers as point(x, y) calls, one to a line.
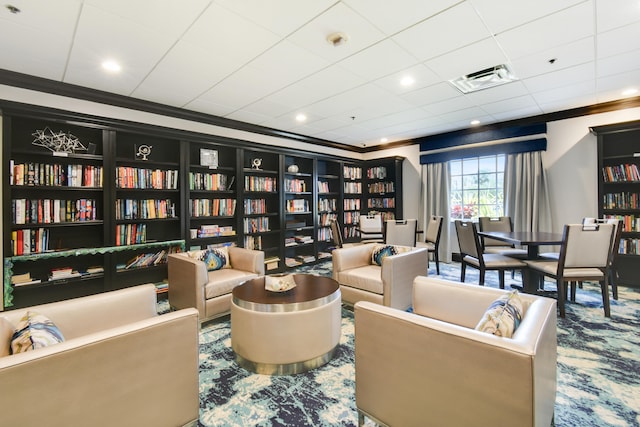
point(434, 196)
point(526, 192)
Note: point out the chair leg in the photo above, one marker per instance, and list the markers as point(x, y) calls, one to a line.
point(463, 271)
point(437, 258)
point(561, 296)
point(604, 285)
point(501, 276)
point(573, 285)
point(614, 284)
point(482, 273)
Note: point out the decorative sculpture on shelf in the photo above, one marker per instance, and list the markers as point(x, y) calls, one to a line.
point(59, 142)
point(256, 163)
point(143, 152)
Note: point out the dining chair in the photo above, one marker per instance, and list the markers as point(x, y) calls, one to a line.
point(401, 232)
point(432, 239)
point(472, 255)
point(494, 246)
point(371, 228)
point(585, 255)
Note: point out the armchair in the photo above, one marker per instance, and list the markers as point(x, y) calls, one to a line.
point(388, 284)
point(191, 285)
point(431, 367)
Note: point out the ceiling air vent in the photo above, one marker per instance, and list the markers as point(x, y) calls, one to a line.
point(484, 79)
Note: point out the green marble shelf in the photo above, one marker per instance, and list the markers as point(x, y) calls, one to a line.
point(9, 261)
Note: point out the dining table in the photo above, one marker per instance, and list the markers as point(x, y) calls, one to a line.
point(532, 283)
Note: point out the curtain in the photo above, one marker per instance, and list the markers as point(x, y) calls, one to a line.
point(434, 196)
point(526, 192)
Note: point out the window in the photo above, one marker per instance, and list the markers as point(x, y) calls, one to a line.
point(477, 187)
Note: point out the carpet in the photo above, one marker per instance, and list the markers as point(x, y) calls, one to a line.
point(598, 365)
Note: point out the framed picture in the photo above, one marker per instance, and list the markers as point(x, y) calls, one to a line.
point(209, 158)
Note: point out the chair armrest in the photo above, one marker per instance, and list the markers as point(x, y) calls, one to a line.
point(352, 257)
point(187, 279)
point(119, 376)
point(247, 260)
point(397, 274)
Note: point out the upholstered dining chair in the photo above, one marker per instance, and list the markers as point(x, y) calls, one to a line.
point(371, 228)
point(471, 254)
point(493, 246)
point(401, 232)
point(432, 239)
point(585, 255)
point(336, 235)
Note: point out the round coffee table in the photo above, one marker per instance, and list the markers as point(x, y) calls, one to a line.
point(285, 333)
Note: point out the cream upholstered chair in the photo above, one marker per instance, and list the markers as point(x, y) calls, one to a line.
point(431, 367)
point(370, 228)
point(432, 239)
point(401, 232)
point(471, 254)
point(585, 255)
point(494, 246)
point(388, 284)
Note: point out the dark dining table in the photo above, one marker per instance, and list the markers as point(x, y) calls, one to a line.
point(532, 283)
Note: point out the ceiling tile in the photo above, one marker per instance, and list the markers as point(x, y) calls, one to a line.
point(431, 94)
point(613, 15)
point(462, 27)
point(552, 30)
point(517, 103)
point(267, 108)
point(498, 93)
point(459, 102)
point(621, 40)
point(288, 63)
point(469, 59)
point(568, 55)
point(619, 64)
point(578, 90)
point(517, 113)
point(501, 16)
point(392, 17)
point(379, 60)
point(561, 77)
point(339, 18)
point(421, 75)
point(349, 100)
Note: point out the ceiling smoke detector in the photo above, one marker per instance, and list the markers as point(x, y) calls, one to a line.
point(337, 39)
point(484, 79)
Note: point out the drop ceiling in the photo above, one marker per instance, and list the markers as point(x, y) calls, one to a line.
point(266, 62)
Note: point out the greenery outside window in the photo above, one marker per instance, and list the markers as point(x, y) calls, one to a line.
point(477, 187)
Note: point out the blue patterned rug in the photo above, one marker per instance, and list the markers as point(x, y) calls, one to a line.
point(598, 365)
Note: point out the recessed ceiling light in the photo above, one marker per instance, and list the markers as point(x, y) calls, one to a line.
point(475, 122)
point(407, 81)
point(111, 66)
point(383, 140)
point(301, 118)
point(629, 92)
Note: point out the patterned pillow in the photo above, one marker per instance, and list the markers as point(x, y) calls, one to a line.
point(34, 331)
point(381, 251)
point(214, 258)
point(503, 316)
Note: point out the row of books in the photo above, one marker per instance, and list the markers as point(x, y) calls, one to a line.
point(621, 201)
point(24, 279)
point(385, 216)
point(327, 204)
point(378, 172)
point(385, 202)
point(324, 220)
point(150, 259)
point(297, 205)
point(295, 185)
point(630, 246)
point(213, 230)
point(212, 207)
point(352, 172)
point(210, 181)
point(353, 187)
point(351, 204)
point(47, 211)
point(351, 217)
point(29, 241)
point(323, 187)
point(260, 183)
point(256, 225)
point(141, 178)
point(62, 273)
point(621, 173)
point(253, 242)
point(131, 234)
point(54, 174)
point(145, 209)
point(381, 187)
point(325, 234)
point(630, 222)
point(255, 206)
point(298, 240)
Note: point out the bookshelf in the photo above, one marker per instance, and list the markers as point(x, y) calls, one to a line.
point(351, 201)
point(328, 208)
point(212, 194)
point(298, 211)
point(383, 187)
point(619, 192)
point(261, 204)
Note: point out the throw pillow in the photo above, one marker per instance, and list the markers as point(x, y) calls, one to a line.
point(6, 332)
point(381, 251)
point(34, 331)
point(503, 316)
point(214, 258)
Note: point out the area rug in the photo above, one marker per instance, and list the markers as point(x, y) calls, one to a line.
point(598, 365)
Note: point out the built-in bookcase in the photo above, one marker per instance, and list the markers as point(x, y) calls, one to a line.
point(298, 211)
point(351, 201)
point(328, 209)
point(619, 192)
point(383, 188)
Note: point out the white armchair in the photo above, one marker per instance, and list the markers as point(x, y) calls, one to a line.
point(431, 367)
point(388, 284)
